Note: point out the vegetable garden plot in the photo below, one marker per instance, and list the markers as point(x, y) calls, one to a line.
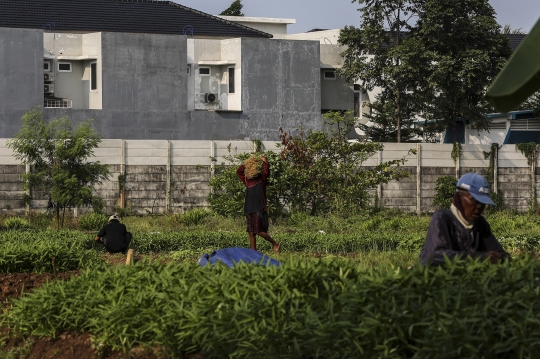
point(318, 309)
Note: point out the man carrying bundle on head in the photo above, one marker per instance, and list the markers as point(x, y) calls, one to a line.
point(462, 231)
point(254, 173)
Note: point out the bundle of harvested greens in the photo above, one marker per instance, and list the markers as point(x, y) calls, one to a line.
point(254, 166)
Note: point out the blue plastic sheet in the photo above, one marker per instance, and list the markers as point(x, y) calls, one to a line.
point(233, 255)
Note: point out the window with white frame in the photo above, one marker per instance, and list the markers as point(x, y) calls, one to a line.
point(204, 71)
point(329, 75)
point(64, 67)
point(93, 76)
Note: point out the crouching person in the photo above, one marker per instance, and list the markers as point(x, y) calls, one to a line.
point(114, 236)
point(462, 231)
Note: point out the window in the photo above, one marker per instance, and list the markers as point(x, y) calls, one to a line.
point(46, 66)
point(329, 75)
point(93, 76)
point(64, 67)
point(189, 70)
point(204, 71)
point(231, 79)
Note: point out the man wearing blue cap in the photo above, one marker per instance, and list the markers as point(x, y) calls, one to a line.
point(462, 231)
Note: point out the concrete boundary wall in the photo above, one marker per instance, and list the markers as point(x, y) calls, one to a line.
point(172, 176)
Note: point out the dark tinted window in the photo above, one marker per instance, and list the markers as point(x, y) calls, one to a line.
point(93, 76)
point(231, 79)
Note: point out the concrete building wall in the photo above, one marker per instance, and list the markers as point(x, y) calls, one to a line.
point(91, 47)
point(143, 72)
point(336, 94)
point(280, 86)
point(21, 76)
point(71, 85)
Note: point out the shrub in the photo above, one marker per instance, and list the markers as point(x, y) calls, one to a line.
point(445, 186)
point(92, 221)
point(16, 223)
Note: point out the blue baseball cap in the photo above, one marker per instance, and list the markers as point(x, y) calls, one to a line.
point(477, 186)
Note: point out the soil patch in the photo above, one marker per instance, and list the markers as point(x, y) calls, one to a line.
point(12, 285)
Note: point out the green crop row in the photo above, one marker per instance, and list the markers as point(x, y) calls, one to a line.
point(304, 309)
point(39, 251)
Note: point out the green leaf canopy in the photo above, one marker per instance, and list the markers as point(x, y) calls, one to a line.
point(520, 77)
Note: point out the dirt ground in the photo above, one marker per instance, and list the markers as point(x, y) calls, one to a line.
point(68, 345)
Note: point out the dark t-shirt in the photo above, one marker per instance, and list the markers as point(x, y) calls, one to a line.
point(255, 189)
point(114, 236)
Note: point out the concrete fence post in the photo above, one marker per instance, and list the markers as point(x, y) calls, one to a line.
point(379, 186)
point(458, 164)
point(27, 192)
point(168, 179)
point(418, 177)
point(495, 168)
point(212, 156)
point(533, 178)
point(123, 173)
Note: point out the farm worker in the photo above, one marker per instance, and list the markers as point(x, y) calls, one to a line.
point(254, 173)
point(462, 231)
point(114, 236)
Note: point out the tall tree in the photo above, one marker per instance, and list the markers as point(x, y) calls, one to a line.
point(467, 50)
point(234, 10)
point(58, 155)
point(379, 54)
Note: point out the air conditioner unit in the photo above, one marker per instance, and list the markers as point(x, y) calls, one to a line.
point(210, 97)
point(49, 88)
point(48, 77)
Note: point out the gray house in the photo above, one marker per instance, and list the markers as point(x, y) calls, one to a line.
point(151, 69)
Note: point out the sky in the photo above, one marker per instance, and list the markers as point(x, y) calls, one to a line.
point(335, 14)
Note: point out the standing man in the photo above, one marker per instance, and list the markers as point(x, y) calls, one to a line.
point(462, 231)
point(115, 237)
point(254, 178)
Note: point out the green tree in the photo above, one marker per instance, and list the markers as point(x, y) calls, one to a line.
point(234, 10)
point(466, 51)
point(58, 155)
point(432, 58)
point(382, 53)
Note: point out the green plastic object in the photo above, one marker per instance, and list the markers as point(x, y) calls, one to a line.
point(520, 77)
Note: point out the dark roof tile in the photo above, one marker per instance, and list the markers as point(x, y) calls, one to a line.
point(134, 16)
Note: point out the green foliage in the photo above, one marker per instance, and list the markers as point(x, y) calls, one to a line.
point(195, 216)
point(325, 171)
point(456, 151)
point(436, 66)
point(445, 187)
point(46, 251)
point(318, 172)
point(395, 65)
point(92, 221)
point(16, 223)
point(59, 156)
point(234, 10)
point(528, 150)
point(305, 309)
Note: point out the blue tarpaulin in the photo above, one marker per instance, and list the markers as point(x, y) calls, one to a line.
point(233, 255)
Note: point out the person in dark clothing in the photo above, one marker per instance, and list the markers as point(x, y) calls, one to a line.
point(255, 204)
point(114, 236)
point(462, 231)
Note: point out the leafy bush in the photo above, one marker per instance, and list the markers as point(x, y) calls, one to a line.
point(304, 309)
point(16, 223)
point(92, 221)
point(445, 186)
